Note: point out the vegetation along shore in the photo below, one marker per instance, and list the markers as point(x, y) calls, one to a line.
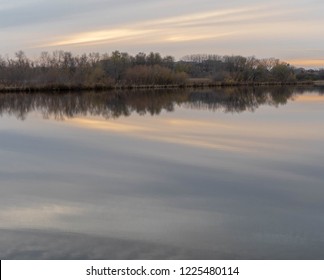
point(63, 71)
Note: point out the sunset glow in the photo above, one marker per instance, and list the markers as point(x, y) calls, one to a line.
point(288, 30)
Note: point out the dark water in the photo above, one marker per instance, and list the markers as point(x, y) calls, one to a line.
point(206, 174)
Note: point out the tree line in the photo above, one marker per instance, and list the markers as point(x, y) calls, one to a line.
point(61, 69)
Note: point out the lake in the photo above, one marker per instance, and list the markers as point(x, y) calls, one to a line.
point(234, 173)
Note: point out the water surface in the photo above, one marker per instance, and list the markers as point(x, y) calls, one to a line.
point(205, 174)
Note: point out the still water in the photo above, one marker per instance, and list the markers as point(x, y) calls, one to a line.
point(200, 174)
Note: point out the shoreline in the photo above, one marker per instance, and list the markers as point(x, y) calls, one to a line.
point(74, 88)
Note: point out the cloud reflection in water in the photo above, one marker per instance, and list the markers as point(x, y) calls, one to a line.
point(189, 182)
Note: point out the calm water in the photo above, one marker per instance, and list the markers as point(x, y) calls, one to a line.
point(214, 174)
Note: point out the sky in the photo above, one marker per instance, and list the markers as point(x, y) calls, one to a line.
point(289, 30)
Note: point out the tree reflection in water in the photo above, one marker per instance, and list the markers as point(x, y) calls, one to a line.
point(114, 104)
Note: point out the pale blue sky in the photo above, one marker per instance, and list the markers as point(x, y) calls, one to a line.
point(289, 30)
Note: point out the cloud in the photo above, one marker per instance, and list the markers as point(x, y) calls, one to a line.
point(169, 29)
point(237, 27)
point(100, 36)
point(307, 62)
point(242, 24)
point(183, 38)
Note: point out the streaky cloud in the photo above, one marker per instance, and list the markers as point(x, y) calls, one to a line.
point(158, 30)
point(99, 36)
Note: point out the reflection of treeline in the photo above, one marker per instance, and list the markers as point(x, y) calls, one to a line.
point(316, 90)
point(122, 103)
point(240, 99)
point(62, 70)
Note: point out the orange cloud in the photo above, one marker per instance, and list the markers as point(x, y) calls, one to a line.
point(319, 63)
